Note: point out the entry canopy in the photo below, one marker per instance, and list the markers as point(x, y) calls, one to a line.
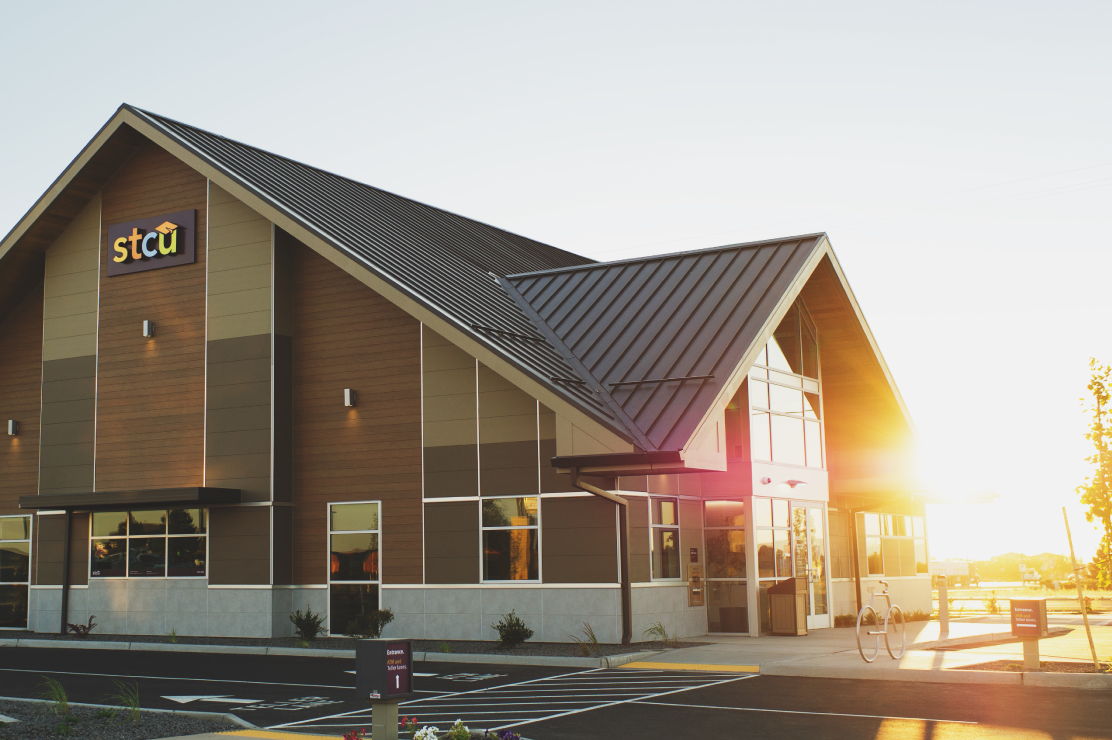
point(109, 500)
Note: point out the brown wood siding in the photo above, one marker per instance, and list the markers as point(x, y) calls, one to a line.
point(347, 336)
point(20, 394)
point(150, 394)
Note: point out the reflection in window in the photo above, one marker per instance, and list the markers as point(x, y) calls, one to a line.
point(784, 391)
point(665, 542)
point(895, 544)
point(510, 539)
point(353, 574)
point(15, 570)
point(152, 543)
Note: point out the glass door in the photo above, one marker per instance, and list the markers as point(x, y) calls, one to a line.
point(809, 556)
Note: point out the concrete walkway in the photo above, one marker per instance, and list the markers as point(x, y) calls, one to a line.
point(832, 653)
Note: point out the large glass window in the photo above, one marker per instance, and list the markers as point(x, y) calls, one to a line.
point(353, 572)
point(895, 544)
point(665, 543)
point(728, 603)
point(784, 395)
point(774, 548)
point(511, 545)
point(153, 543)
point(15, 570)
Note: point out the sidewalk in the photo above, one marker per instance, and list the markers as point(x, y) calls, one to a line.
point(832, 653)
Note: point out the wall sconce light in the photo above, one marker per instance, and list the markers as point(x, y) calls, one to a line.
point(13, 427)
point(349, 396)
point(766, 481)
point(148, 328)
point(794, 483)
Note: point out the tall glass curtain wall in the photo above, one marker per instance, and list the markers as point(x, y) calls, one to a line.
point(15, 570)
point(772, 522)
point(153, 543)
point(353, 572)
point(727, 600)
point(784, 395)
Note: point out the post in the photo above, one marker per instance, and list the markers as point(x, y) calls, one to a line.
point(943, 607)
point(1080, 593)
point(623, 550)
point(66, 572)
point(855, 561)
point(1031, 654)
point(384, 720)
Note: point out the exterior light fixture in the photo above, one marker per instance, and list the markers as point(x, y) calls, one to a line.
point(13, 427)
point(349, 396)
point(766, 481)
point(794, 483)
point(148, 328)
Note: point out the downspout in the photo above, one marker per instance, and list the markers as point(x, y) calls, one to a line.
point(623, 550)
point(65, 571)
point(856, 559)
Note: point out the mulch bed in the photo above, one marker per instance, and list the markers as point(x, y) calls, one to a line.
point(546, 649)
point(1046, 667)
point(39, 721)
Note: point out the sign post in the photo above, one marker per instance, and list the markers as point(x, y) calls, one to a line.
point(1029, 624)
point(384, 677)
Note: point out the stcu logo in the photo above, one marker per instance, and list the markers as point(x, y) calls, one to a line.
point(151, 243)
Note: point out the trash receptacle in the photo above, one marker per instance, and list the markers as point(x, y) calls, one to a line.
point(787, 602)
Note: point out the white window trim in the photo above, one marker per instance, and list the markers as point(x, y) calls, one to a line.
point(679, 539)
point(165, 575)
point(30, 564)
point(328, 555)
point(540, 545)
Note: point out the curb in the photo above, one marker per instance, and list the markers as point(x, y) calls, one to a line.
point(224, 716)
point(1095, 681)
point(983, 638)
point(611, 661)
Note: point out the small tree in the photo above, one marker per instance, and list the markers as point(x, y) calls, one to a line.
point(1096, 492)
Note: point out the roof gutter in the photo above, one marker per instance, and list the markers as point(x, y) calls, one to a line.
point(623, 550)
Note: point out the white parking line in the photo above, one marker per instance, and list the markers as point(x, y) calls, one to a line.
point(797, 711)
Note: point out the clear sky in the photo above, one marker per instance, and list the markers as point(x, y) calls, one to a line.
point(958, 155)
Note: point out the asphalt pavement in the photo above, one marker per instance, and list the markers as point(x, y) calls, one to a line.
point(316, 696)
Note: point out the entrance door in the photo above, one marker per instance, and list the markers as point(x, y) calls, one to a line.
point(809, 550)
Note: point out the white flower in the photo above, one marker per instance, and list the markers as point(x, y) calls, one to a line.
point(425, 733)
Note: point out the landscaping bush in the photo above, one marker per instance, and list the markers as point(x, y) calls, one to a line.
point(512, 630)
point(369, 626)
point(307, 625)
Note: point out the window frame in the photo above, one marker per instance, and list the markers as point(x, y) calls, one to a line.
point(328, 550)
point(30, 564)
point(166, 536)
point(744, 529)
point(537, 527)
point(885, 528)
point(666, 527)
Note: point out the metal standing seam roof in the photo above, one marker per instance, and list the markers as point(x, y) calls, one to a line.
point(686, 315)
point(447, 262)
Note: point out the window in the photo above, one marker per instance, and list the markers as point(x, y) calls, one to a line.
point(511, 530)
point(15, 570)
point(665, 543)
point(785, 401)
point(774, 547)
point(728, 602)
point(153, 543)
point(895, 544)
point(353, 563)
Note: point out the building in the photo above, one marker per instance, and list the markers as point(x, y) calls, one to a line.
point(236, 385)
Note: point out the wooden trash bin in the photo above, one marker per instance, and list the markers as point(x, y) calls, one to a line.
point(787, 602)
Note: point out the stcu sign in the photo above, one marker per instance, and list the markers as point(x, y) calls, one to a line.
point(151, 243)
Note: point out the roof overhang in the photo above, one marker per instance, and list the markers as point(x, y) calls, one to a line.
point(113, 500)
point(627, 463)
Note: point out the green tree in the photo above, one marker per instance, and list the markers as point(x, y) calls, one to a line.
point(1096, 491)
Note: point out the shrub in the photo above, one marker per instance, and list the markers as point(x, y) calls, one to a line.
point(991, 605)
point(588, 644)
point(53, 692)
point(511, 631)
point(172, 635)
point(660, 632)
point(307, 625)
point(845, 620)
point(370, 624)
point(127, 696)
point(83, 630)
point(459, 731)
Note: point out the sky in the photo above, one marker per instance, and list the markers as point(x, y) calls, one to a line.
point(957, 154)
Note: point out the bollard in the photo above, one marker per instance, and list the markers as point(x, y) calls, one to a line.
point(943, 608)
point(1031, 655)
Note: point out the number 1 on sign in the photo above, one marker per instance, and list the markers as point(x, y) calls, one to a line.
point(397, 682)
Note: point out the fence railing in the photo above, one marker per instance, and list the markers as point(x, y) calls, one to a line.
point(959, 605)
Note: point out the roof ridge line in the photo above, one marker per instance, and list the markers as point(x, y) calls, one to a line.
point(151, 114)
point(670, 255)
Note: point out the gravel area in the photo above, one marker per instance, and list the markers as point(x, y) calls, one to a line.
point(552, 649)
point(1046, 667)
point(38, 721)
